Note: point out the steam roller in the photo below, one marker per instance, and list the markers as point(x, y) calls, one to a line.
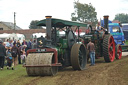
point(42, 64)
point(60, 48)
point(38, 60)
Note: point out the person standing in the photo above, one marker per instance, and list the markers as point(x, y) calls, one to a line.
point(91, 48)
point(24, 43)
point(18, 45)
point(23, 56)
point(29, 44)
point(34, 44)
point(9, 43)
point(9, 58)
point(15, 52)
point(22, 53)
point(2, 54)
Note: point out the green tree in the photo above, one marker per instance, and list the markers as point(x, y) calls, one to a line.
point(84, 13)
point(33, 25)
point(123, 18)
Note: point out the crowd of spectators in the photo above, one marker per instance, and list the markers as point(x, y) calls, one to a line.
point(13, 52)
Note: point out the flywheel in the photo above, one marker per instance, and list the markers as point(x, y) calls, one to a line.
point(78, 56)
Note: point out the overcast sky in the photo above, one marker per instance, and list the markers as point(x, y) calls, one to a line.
point(28, 10)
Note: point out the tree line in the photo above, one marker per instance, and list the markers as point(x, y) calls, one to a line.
point(84, 13)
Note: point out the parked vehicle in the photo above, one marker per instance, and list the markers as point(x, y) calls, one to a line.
point(116, 30)
point(125, 30)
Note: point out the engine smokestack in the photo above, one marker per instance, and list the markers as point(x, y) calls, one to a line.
point(106, 23)
point(48, 29)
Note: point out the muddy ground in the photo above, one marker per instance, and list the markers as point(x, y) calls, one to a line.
point(115, 73)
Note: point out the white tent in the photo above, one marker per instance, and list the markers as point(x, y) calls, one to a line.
point(81, 34)
point(37, 35)
point(16, 37)
point(4, 36)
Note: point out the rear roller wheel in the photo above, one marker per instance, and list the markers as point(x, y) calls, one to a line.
point(78, 56)
point(118, 53)
point(38, 64)
point(108, 48)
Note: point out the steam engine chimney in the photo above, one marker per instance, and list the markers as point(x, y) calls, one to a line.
point(106, 23)
point(48, 29)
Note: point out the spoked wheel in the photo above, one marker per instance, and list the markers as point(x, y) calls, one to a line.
point(78, 56)
point(108, 48)
point(37, 64)
point(118, 53)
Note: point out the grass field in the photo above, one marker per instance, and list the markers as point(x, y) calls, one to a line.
point(20, 77)
point(8, 77)
point(126, 42)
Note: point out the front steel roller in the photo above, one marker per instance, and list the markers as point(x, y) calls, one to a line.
point(108, 48)
point(118, 52)
point(78, 56)
point(39, 64)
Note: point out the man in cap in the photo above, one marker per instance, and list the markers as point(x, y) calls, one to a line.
point(2, 54)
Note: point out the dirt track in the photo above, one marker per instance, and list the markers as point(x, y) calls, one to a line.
point(115, 73)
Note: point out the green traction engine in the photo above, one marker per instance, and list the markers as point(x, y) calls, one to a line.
point(104, 43)
point(60, 48)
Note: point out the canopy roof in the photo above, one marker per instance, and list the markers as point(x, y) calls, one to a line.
point(61, 23)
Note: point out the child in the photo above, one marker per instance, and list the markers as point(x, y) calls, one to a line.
point(23, 56)
point(9, 58)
